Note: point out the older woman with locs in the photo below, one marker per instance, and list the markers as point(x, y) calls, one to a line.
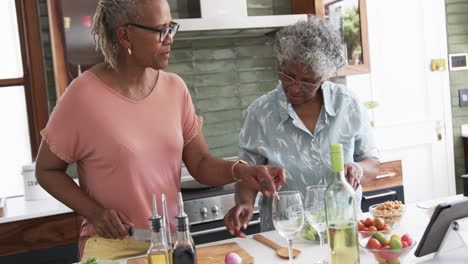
point(293, 125)
point(128, 125)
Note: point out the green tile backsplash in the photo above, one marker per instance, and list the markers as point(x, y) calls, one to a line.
point(457, 31)
point(185, 8)
point(224, 76)
point(191, 8)
point(268, 7)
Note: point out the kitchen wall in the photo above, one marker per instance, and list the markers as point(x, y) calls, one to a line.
point(191, 9)
point(457, 31)
point(224, 76)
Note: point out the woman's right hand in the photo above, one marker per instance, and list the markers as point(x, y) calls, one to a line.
point(108, 223)
point(239, 216)
point(264, 178)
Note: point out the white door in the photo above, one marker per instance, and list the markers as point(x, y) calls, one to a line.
point(413, 119)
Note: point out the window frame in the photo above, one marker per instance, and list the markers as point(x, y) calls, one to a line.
point(33, 79)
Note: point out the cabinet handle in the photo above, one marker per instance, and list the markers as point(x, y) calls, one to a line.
point(391, 174)
point(370, 197)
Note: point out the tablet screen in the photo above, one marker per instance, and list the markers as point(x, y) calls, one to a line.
point(440, 222)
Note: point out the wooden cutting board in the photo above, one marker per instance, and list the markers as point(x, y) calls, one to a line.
point(211, 254)
point(215, 254)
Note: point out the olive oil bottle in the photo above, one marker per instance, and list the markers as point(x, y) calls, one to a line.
point(158, 251)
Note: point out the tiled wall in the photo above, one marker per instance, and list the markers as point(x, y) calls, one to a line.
point(457, 30)
point(191, 8)
point(224, 76)
point(268, 7)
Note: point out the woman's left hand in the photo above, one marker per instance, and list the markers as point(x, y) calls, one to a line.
point(265, 178)
point(351, 172)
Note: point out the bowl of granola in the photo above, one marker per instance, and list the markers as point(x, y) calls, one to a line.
point(390, 211)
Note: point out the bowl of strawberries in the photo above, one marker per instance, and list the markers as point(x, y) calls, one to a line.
point(388, 248)
point(369, 226)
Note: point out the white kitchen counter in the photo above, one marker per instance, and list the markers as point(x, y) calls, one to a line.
point(18, 209)
point(414, 222)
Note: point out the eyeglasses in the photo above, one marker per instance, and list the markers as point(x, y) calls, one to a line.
point(287, 81)
point(165, 31)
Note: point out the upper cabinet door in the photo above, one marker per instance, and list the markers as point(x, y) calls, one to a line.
point(349, 17)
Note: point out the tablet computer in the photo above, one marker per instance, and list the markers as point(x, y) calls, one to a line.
point(440, 222)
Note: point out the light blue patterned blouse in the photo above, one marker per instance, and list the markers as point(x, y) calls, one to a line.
point(274, 134)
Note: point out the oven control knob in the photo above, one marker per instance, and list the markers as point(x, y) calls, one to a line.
point(204, 211)
point(215, 210)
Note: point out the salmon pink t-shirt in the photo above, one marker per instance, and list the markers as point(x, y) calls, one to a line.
point(125, 150)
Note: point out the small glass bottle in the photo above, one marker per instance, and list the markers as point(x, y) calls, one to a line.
point(158, 251)
point(184, 249)
point(340, 211)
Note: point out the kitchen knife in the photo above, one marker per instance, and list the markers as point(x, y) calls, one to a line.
point(139, 234)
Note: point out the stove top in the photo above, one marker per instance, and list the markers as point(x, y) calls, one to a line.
point(208, 204)
point(192, 194)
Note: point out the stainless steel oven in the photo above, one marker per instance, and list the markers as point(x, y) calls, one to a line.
point(206, 208)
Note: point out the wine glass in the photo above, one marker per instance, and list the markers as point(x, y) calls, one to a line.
point(314, 210)
point(288, 216)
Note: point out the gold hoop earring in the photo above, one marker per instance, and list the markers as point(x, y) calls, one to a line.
point(129, 51)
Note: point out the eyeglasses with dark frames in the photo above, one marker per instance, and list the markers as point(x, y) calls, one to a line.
point(165, 31)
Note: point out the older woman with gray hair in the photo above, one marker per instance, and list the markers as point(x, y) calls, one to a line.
point(128, 125)
point(293, 125)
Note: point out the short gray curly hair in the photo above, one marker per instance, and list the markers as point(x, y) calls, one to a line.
point(110, 14)
point(312, 43)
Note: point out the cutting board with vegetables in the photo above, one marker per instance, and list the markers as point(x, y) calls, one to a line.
point(212, 254)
